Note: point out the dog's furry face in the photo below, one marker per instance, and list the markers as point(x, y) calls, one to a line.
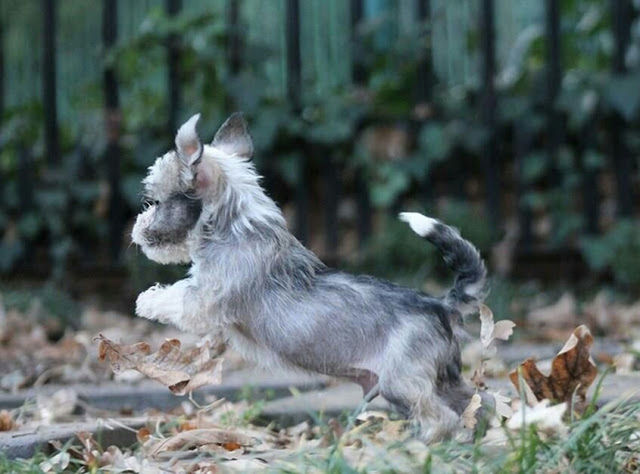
point(173, 209)
point(183, 181)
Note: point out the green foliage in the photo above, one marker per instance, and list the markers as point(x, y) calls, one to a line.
point(48, 304)
point(397, 253)
point(144, 273)
point(617, 250)
point(22, 466)
point(67, 213)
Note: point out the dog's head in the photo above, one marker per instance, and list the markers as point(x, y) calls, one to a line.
point(184, 180)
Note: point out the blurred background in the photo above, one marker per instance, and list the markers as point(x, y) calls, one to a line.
point(516, 121)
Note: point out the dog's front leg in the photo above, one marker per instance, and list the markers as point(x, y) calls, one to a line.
point(164, 303)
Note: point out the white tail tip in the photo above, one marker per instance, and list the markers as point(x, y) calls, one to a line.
point(421, 225)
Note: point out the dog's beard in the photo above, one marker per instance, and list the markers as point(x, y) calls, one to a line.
point(161, 253)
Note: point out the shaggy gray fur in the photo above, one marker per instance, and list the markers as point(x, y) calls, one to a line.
point(278, 304)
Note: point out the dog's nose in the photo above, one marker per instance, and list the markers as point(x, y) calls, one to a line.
point(143, 221)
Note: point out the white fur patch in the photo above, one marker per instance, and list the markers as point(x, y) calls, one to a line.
point(163, 303)
point(475, 288)
point(165, 176)
point(143, 221)
point(421, 225)
point(176, 253)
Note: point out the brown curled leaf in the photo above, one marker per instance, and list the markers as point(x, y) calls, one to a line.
point(143, 434)
point(181, 371)
point(572, 370)
point(6, 421)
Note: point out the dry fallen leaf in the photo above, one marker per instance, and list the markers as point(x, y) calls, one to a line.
point(572, 370)
point(143, 434)
point(624, 363)
point(609, 316)
point(469, 414)
point(60, 404)
point(490, 330)
point(90, 451)
point(202, 437)
point(482, 354)
point(114, 460)
point(6, 421)
point(503, 407)
point(181, 372)
point(57, 463)
point(231, 445)
point(561, 314)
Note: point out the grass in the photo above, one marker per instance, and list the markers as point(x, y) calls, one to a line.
point(607, 441)
point(604, 441)
point(26, 466)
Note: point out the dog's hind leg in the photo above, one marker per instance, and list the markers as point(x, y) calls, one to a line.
point(410, 383)
point(416, 399)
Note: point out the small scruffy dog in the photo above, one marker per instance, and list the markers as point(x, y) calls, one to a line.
point(277, 304)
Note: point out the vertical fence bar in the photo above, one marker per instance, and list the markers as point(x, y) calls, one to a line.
point(233, 46)
point(1, 88)
point(25, 179)
point(425, 82)
point(359, 77)
point(331, 184)
point(620, 14)
point(590, 194)
point(522, 141)
point(425, 74)
point(112, 125)
point(294, 62)
point(172, 8)
point(25, 190)
point(490, 159)
point(2, 91)
point(554, 126)
point(357, 13)
point(294, 92)
point(49, 80)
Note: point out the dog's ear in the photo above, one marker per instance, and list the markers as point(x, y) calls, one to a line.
point(233, 137)
point(188, 143)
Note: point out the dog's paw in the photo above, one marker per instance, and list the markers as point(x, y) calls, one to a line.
point(146, 303)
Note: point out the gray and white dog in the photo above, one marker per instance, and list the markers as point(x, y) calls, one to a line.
point(278, 305)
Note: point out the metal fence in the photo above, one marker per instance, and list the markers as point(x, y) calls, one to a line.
point(494, 157)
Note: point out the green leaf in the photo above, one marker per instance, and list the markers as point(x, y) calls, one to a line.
point(10, 252)
point(622, 92)
point(29, 225)
point(434, 141)
point(534, 166)
point(384, 193)
point(593, 160)
point(289, 166)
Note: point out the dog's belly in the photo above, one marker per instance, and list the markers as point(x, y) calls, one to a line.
point(240, 340)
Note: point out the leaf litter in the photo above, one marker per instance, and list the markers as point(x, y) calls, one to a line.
point(181, 372)
point(219, 436)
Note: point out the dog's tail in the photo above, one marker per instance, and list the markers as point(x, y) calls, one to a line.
point(460, 255)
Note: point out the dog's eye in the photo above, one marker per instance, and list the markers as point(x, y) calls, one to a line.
point(148, 202)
